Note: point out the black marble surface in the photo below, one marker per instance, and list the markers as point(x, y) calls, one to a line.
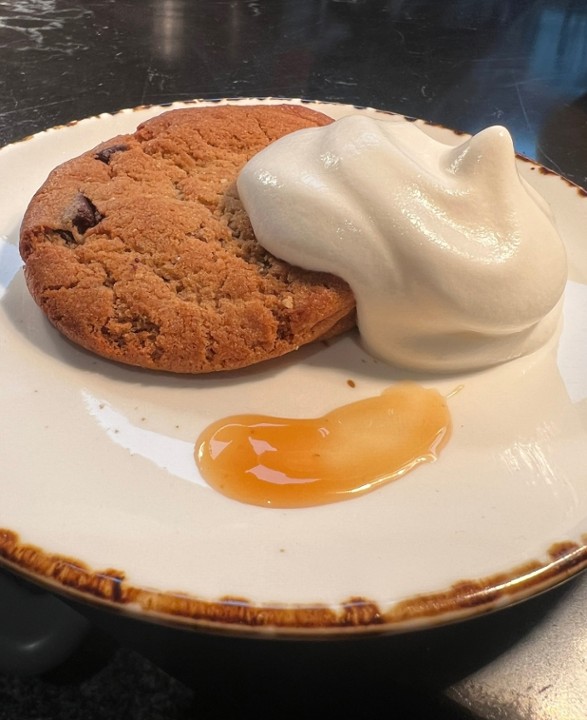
point(461, 63)
point(107, 680)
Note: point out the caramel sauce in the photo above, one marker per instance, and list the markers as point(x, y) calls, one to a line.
point(356, 448)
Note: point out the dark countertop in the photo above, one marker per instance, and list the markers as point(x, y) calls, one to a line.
point(465, 64)
point(462, 63)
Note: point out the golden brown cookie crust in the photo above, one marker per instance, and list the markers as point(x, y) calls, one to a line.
point(140, 250)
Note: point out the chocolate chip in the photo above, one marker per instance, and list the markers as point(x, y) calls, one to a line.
point(85, 214)
point(67, 237)
point(105, 154)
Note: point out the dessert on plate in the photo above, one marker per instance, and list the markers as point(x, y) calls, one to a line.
point(140, 251)
point(213, 238)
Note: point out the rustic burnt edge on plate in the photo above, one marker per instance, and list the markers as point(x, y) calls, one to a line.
point(464, 598)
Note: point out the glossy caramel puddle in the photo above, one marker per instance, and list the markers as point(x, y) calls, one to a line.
point(287, 463)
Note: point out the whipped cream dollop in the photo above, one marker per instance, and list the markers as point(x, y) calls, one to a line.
point(453, 258)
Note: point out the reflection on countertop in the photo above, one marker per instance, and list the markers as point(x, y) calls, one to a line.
point(461, 64)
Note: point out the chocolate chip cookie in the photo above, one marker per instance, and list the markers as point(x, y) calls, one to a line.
point(140, 250)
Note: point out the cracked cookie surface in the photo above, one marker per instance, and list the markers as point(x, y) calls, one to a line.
point(140, 250)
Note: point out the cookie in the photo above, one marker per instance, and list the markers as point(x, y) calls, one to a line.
point(140, 250)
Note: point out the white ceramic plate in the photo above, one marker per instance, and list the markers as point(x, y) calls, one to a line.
point(100, 495)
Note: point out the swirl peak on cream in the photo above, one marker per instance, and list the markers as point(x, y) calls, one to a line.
point(453, 258)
